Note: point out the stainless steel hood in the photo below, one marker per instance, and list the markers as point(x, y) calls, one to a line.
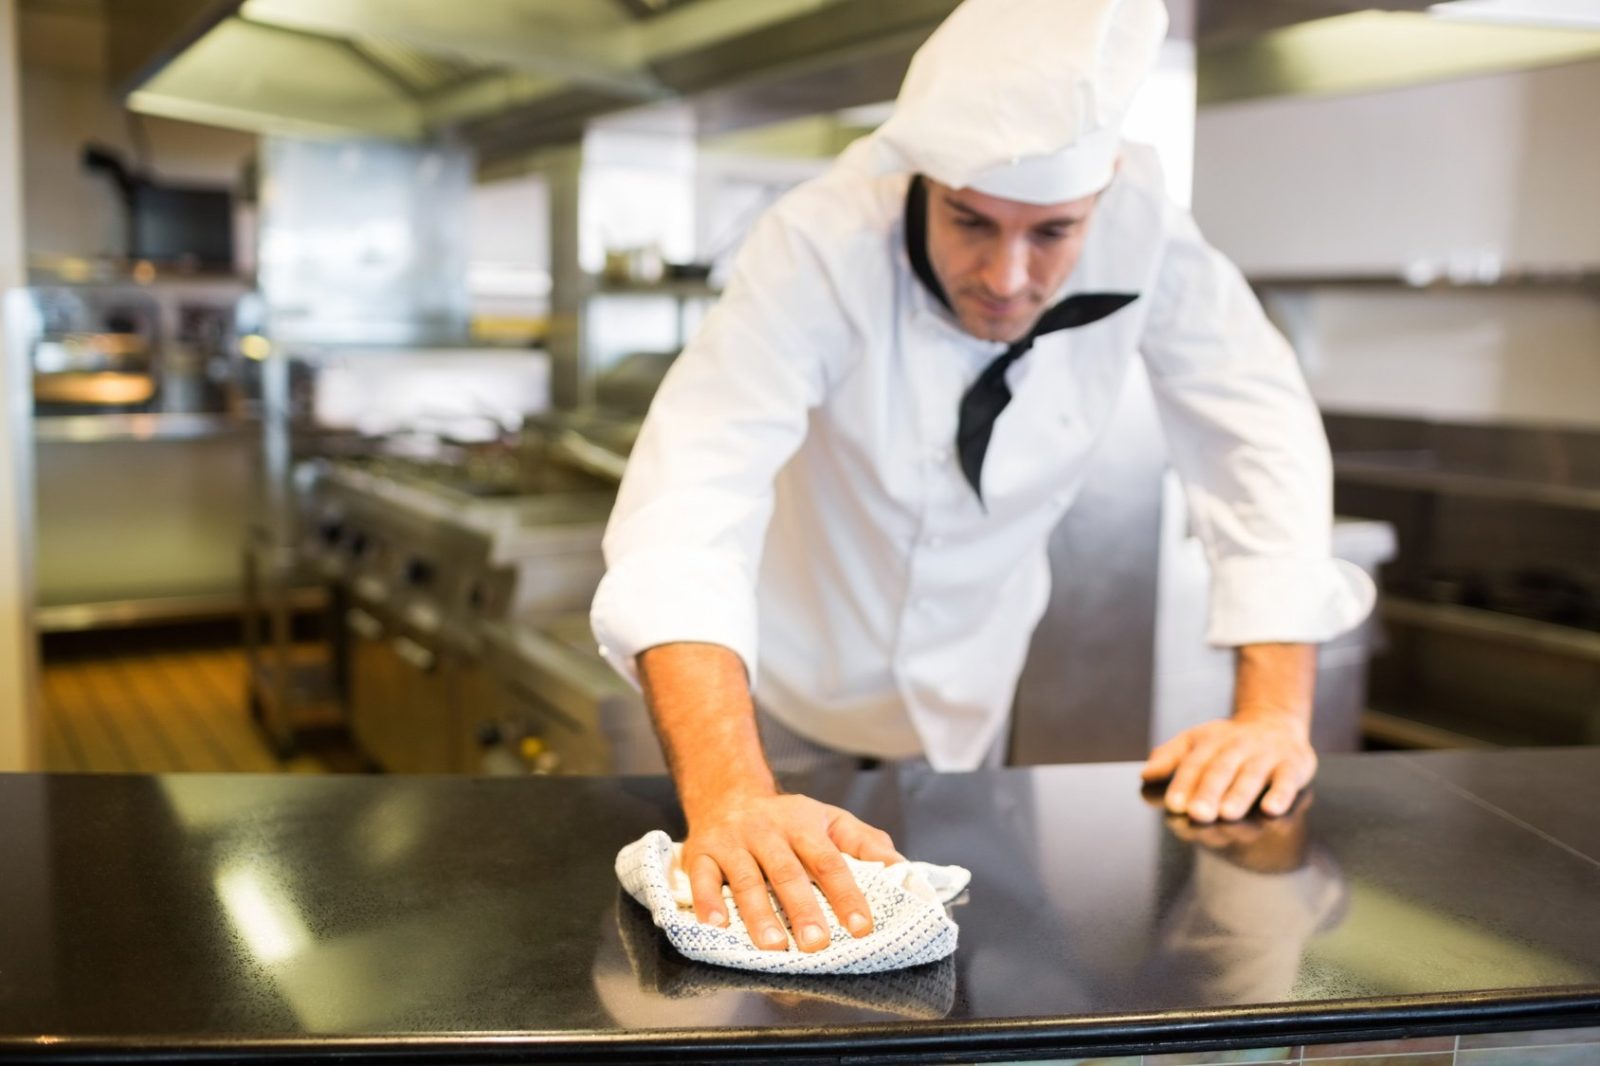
point(508, 76)
point(1250, 49)
point(513, 76)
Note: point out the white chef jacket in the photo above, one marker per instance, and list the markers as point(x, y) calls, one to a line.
point(795, 493)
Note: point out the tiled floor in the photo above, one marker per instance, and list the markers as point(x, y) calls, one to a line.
point(163, 710)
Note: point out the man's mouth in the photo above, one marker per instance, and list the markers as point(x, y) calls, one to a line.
point(998, 308)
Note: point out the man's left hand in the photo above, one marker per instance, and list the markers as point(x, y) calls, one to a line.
point(1218, 769)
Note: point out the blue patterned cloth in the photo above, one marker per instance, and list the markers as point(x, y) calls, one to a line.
point(910, 924)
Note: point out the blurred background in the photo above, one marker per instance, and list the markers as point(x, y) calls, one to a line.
point(328, 325)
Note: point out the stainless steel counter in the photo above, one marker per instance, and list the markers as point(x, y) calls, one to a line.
point(100, 429)
point(425, 918)
point(141, 516)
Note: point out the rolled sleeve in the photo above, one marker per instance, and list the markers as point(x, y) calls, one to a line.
point(1258, 600)
point(664, 597)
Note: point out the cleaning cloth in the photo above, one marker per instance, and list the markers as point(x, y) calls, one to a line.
point(907, 900)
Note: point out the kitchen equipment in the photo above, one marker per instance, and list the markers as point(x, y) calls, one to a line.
point(431, 575)
point(140, 427)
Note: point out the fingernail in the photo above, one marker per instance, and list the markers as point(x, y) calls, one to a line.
point(717, 918)
point(811, 935)
point(858, 924)
point(772, 937)
point(1232, 811)
point(1175, 801)
point(1202, 812)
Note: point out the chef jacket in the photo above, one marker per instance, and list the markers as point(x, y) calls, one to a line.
point(795, 495)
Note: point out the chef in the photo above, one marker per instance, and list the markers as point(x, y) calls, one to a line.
point(830, 545)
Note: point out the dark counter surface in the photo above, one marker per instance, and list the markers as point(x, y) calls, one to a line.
point(416, 917)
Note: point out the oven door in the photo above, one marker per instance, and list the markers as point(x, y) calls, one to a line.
point(401, 712)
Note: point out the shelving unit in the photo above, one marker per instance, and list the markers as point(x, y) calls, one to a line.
point(1487, 610)
point(682, 291)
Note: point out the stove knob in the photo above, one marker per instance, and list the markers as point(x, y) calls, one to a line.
point(419, 572)
point(489, 734)
point(330, 532)
point(358, 545)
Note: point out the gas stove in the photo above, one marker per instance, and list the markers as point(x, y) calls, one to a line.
point(423, 573)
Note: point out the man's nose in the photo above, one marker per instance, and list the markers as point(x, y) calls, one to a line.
point(1006, 273)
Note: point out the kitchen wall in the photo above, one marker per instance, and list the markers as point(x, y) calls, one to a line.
point(1472, 177)
point(66, 101)
point(1527, 355)
point(19, 741)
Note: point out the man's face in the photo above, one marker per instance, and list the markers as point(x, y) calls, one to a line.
point(1001, 261)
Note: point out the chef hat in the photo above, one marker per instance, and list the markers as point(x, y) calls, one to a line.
point(1023, 99)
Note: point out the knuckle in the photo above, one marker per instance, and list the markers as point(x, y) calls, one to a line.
point(800, 907)
point(1245, 789)
point(828, 863)
point(786, 872)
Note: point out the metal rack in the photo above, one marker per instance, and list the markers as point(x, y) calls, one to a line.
point(289, 689)
point(1489, 611)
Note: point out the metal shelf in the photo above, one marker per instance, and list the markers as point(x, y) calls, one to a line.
point(291, 699)
point(676, 289)
point(1493, 625)
point(1458, 483)
point(1400, 731)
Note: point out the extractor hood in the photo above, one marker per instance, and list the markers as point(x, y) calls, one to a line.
point(510, 75)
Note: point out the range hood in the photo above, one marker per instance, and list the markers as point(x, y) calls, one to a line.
point(508, 75)
point(512, 76)
point(1326, 47)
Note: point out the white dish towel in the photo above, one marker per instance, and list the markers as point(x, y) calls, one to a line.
point(910, 924)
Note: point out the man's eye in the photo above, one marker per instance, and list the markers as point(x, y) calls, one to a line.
point(971, 223)
point(1050, 235)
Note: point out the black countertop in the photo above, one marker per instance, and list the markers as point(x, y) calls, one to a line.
point(431, 917)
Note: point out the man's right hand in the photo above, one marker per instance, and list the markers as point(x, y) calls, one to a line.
point(742, 831)
point(786, 841)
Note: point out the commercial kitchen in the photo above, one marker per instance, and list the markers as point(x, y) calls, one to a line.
point(329, 330)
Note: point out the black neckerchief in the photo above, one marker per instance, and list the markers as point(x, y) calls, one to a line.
point(988, 396)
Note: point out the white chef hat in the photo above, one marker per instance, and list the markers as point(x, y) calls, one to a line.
point(1023, 99)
